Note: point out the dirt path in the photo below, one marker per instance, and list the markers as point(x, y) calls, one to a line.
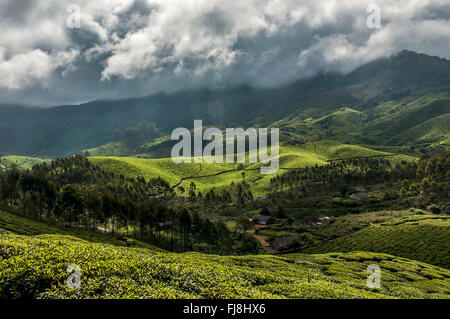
point(263, 241)
point(226, 172)
point(181, 182)
point(360, 157)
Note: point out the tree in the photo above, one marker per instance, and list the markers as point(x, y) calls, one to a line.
point(265, 211)
point(208, 232)
point(10, 186)
point(245, 224)
point(108, 208)
point(185, 224)
point(94, 206)
point(225, 242)
point(73, 200)
point(281, 214)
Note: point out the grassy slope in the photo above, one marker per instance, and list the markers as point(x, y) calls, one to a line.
point(437, 129)
point(390, 123)
point(398, 119)
point(419, 237)
point(34, 260)
point(25, 226)
point(290, 157)
point(407, 120)
point(109, 149)
point(21, 161)
point(36, 266)
point(168, 170)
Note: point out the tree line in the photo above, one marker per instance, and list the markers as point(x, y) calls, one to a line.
point(76, 193)
point(423, 184)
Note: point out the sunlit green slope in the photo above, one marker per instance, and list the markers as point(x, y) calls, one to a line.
point(23, 162)
point(419, 237)
point(206, 176)
point(25, 226)
point(35, 266)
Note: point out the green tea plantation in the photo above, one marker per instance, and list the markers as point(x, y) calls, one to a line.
point(36, 267)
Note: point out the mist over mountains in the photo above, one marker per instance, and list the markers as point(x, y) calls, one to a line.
point(130, 167)
point(64, 130)
point(128, 48)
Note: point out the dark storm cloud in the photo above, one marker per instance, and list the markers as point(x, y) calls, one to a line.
point(136, 47)
point(16, 12)
point(216, 22)
point(437, 10)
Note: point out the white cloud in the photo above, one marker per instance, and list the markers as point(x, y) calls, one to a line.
point(174, 44)
point(34, 67)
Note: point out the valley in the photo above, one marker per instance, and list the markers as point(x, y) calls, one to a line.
point(363, 179)
point(119, 272)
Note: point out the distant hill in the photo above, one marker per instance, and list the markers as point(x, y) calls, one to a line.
point(20, 161)
point(388, 101)
point(418, 237)
point(115, 271)
point(216, 175)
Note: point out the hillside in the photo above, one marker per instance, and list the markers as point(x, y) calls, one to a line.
point(206, 175)
point(398, 122)
point(419, 237)
point(35, 266)
point(25, 226)
point(406, 122)
point(437, 129)
point(216, 175)
point(78, 195)
point(22, 162)
point(343, 107)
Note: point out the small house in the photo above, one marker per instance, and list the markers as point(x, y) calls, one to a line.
point(263, 220)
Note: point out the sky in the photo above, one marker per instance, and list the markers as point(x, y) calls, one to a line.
point(55, 52)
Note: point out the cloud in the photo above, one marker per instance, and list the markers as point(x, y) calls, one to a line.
point(32, 68)
point(138, 47)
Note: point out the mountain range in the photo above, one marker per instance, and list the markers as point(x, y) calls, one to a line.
point(403, 99)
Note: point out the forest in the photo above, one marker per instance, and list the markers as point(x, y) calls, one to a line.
point(73, 192)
